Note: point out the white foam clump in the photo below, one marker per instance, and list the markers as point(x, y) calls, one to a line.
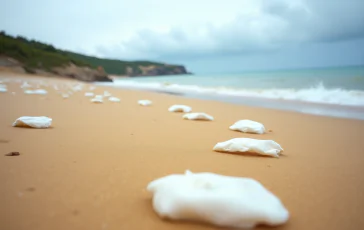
point(78, 87)
point(25, 85)
point(180, 108)
point(89, 94)
point(248, 126)
point(220, 200)
point(33, 122)
point(97, 100)
point(262, 147)
point(114, 99)
point(107, 94)
point(144, 102)
point(3, 88)
point(37, 91)
point(198, 116)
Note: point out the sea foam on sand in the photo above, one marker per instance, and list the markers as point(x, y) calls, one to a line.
point(216, 199)
point(33, 122)
point(198, 116)
point(180, 108)
point(248, 126)
point(262, 147)
point(3, 88)
point(89, 94)
point(114, 99)
point(144, 102)
point(97, 100)
point(37, 91)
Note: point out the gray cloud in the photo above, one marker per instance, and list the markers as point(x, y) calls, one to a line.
point(193, 31)
point(275, 24)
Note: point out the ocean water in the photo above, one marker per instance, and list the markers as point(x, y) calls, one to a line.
point(336, 91)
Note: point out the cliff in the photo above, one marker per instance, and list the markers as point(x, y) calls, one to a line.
point(36, 57)
point(153, 70)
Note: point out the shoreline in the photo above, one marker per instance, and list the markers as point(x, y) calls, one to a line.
point(305, 107)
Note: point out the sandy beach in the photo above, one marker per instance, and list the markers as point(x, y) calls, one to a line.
point(90, 170)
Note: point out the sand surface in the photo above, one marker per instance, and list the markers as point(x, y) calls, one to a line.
point(91, 169)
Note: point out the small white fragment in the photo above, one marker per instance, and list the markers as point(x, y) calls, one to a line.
point(3, 90)
point(198, 116)
point(107, 94)
point(97, 100)
point(99, 96)
point(92, 88)
point(263, 147)
point(37, 91)
point(144, 102)
point(25, 85)
point(114, 99)
point(89, 94)
point(224, 201)
point(180, 108)
point(65, 95)
point(33, 122)
point(248, 126)
point(77, 88)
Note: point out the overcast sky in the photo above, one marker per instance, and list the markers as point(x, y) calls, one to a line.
point(205, 35)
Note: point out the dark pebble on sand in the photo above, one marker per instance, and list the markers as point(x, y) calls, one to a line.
point(12, 154)
point(30, 189)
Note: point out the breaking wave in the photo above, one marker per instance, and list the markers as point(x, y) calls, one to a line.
point(314, 94)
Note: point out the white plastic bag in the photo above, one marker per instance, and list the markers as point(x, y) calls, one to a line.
point(33, 122)
point(224, 201)
point(248, 126)
point(198, 116)
point(262, 147)
point(180, 108)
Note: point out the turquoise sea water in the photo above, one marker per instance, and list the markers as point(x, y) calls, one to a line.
point(351, 78)
point(336, 91)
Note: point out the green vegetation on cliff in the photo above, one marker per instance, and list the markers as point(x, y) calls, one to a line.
point(37, 55)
